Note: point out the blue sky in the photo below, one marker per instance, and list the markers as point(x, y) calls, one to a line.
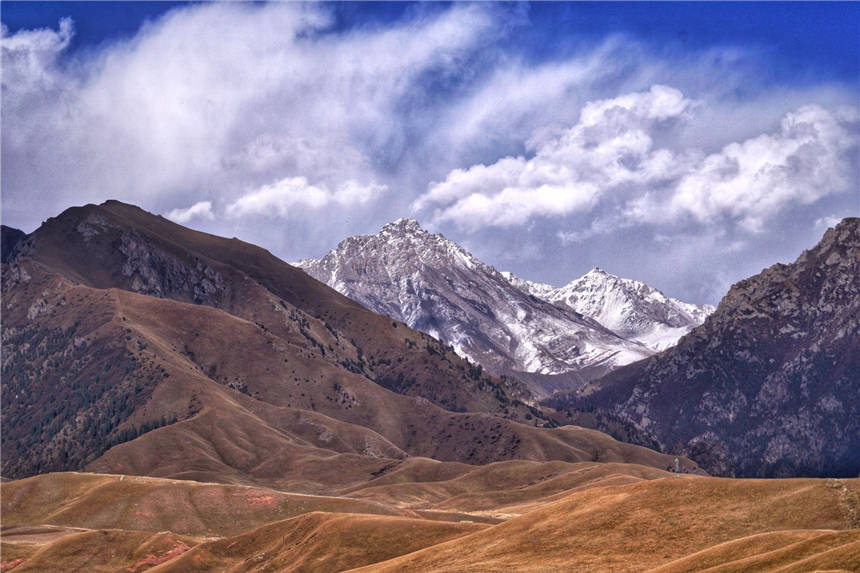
point(815, 39)
point(676, 143)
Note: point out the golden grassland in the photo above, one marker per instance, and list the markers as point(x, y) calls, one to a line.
point(432, 516)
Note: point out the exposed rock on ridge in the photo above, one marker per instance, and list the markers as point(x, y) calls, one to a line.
point(629, 308)
point(768, 385)
point(552, 337)
point(436, 286)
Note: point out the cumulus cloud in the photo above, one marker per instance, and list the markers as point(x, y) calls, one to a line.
point(150, 117)
point(811, 155)
point(610, 145)
point(212, 99)
point(265, 111)
point(610, 156)
point(200, 210)
point(291, 194)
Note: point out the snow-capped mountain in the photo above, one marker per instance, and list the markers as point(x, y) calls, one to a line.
point(628, 307)
point(504, 323)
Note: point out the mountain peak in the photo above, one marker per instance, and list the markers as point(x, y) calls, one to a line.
point(598, 272)
point(848, 222)
point(404, 225)
point(629, 307)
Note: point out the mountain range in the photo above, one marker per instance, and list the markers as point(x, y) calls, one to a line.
point(552, 338)
point(768, 385)
point(627, 307)
point(134, 345)
point(177, 401)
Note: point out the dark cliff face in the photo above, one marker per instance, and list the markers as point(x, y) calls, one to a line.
point(9, 239)
point(769, 385)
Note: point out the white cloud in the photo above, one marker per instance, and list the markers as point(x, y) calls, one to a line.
point(827, 222)
point(283, 198)
point(29, 56)
point(598, 226)
point(610, 146)
point(659, 104)
point(271, 110)
point(518, 99)
point(609, 157)
point(810, 156)
point(200, 210)
point(215, 98)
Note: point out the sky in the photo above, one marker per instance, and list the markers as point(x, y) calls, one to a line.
point(687, 145)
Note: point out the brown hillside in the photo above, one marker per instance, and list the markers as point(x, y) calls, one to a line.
point(239, 435)
point(102, 551)
point(122, 246)
point(216, 396)
point(504, 488)
point(102, 523)
point(318, 542)
point(648, 524)
point(96, 501)
point(793, 551)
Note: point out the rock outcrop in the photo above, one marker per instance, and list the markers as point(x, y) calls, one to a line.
point(769, 385)
point(536, 332)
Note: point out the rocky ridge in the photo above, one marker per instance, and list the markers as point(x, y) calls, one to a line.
point(134, 345)
point(767, 386)
point(553, 338)
point(628, 307)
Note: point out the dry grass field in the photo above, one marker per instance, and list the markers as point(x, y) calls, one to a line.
point(689, 524)
point(508, 516)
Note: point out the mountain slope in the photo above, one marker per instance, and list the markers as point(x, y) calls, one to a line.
point(115, 245)
point(627, 307)
point(657, 523)
point(134, 345)
point(436, 286)
point(767, 386)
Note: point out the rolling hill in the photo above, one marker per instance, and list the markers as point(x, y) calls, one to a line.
point(673, 524)
point(603, 517)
